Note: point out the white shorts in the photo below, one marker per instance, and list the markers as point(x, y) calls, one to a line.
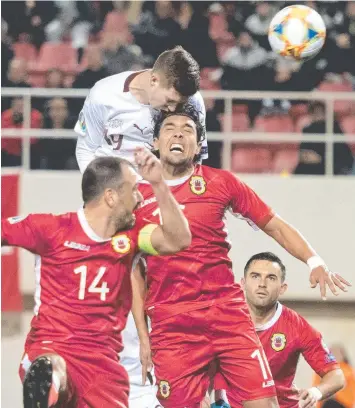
point(144, 401)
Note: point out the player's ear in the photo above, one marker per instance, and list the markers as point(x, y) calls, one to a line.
point(242, 283)
point(109, 197)
point(284, 287)
point(154, 79)
point(155, 143)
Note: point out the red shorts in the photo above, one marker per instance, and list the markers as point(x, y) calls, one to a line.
point(96, 380)
point(186, 345)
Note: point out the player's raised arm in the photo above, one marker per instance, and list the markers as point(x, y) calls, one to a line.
point(319, 357)
point(294, 243)
point(250, 205)
point(90, 128)
point(174, 234)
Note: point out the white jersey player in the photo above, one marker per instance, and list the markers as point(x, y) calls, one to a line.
point(117, 116)
point(118, 113)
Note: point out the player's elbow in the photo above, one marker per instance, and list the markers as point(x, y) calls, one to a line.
point(339, 380)
point(177, 243)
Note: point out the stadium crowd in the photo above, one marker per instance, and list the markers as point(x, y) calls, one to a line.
point(59, 44)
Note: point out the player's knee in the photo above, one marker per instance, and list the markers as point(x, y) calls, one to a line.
point(59, 375)
point(270, 402)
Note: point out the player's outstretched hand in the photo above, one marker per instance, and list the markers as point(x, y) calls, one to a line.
point(322, 276)
point(146, 359)
point(307, 399)
point(149, 167)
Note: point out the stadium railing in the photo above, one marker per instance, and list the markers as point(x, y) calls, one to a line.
point(227, 137)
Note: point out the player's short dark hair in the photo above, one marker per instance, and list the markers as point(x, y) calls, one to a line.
point(180, 69)
point(183, 110)
point(266, 256)
point(102, 173)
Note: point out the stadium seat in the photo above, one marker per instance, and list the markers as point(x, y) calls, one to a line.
point(206, 82)
point(218, 29)
point(348, 126)
point(285, 160)
point(301, 122)
point(25, 51)
point(274, 123)
point(341, 108)
point(61, 55)
point(251, 159)
point(298, 110)
point(240, 122)
point(117, 22)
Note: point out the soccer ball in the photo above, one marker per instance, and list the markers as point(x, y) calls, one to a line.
point(297, 32)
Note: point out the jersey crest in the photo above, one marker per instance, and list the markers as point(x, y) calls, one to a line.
point(121, 243)
point(198, 185)
point(164, 388)
point(278, 341)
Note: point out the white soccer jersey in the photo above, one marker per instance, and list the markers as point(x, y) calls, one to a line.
point(113, 123)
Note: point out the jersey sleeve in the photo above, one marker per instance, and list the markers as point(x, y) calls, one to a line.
point(91, 129)
point(314, 349)
point(26, 232)
point(245, 203)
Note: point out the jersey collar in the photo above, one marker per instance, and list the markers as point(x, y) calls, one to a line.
point(87, 229)
point(272, 321)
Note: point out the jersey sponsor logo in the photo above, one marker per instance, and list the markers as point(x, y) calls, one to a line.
point(278, 341)
point(197, 185)
point(18, 218)
point(82, 121)
point(115, 123)
point(164, 388)
point(269, 383)
point(121, 244)
point(141, 130)
point(75, 245)
point(149, 201)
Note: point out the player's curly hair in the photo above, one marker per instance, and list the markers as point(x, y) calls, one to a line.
point(180, 69)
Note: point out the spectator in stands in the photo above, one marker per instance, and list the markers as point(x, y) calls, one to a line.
point(76, 17)
point(94, 71)
point(11, 148)
point(16, 78)
point(344, 398)
point(119, 57)
point(195, 31)
point(157, 31)
point(312, 154)
point(29, 17)
point(258, 23)
point(6, 50)
point(17, 74)
point(56, 154)
point(54, 79)
point(244, 64)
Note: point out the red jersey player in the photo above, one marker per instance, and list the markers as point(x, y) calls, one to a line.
point(285, 335)
point(198, 313)
point(83, 289)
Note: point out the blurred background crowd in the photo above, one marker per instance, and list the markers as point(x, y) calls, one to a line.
point(73, 44)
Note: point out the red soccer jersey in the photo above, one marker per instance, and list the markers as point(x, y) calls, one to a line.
point(83, 289)
point(284, 338)
point(202, 274)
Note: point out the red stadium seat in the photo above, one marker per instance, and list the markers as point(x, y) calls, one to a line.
point(298, 110)
point(251, 159)
point(301, 122)
point(25, 51)
point(62, 56)
point(218, 28)
point(117, 22)
point(274, 123)
point(341, 108)
point(285, 160)
point(206, 82)
point(240, 122)
point(348, 126)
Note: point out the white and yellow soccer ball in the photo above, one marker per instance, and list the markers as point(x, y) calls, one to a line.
point(297, 32)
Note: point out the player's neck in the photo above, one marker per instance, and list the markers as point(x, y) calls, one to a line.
point(171, 172)
point(139, 87)
point(261, 316)
point(99, 222)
